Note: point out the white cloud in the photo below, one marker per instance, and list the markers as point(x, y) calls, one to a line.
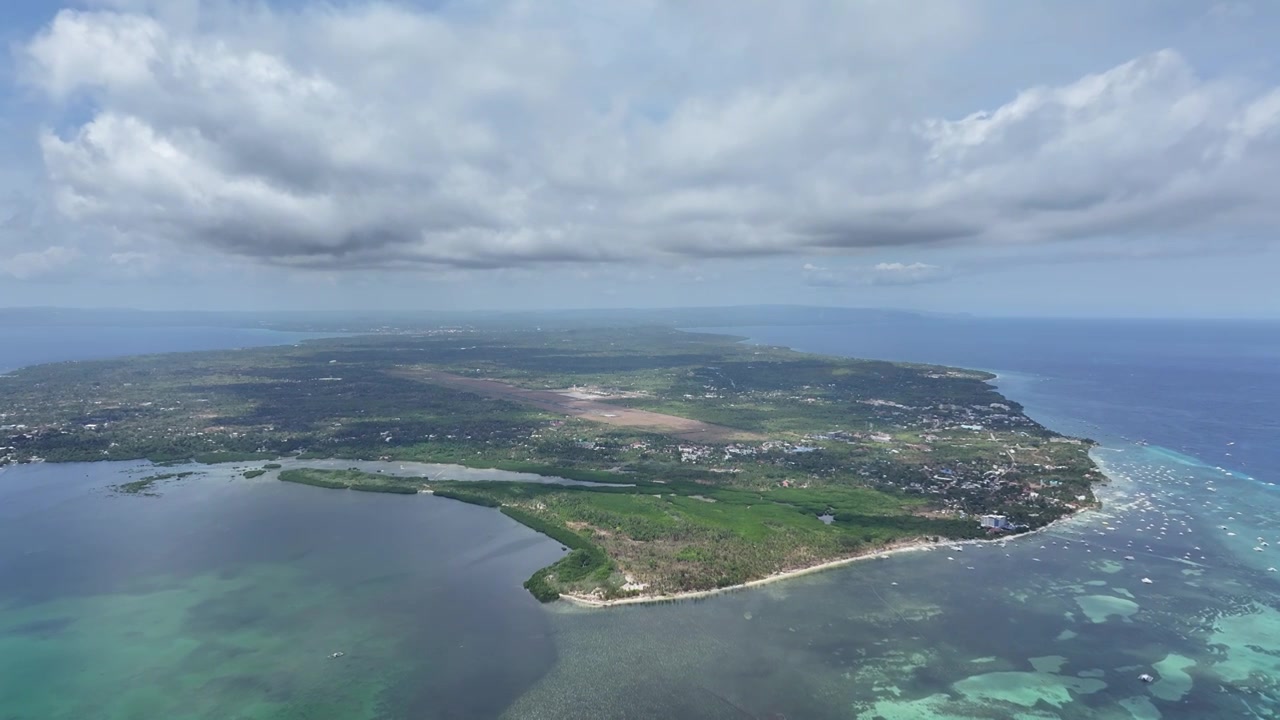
point(85, 50)
point(905, 273)
point(885, 273)
point(38, 264)
point(506, 134)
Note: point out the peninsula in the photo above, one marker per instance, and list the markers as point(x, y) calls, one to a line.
point(711, 463)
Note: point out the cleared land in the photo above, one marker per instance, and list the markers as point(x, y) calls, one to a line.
point(575, 405)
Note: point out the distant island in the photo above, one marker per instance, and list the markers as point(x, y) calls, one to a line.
point(712, 463)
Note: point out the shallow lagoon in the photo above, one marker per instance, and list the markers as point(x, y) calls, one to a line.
point(225, 597)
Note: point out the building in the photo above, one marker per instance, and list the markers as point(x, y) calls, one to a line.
point(997, 522)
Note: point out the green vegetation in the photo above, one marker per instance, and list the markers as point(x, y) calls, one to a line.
point(585, 565)
point(353, 480)
point(680, 537)
point(144, 486)
point(676, 536)
point(254, 473)
point(272, 466)
point(891, 452)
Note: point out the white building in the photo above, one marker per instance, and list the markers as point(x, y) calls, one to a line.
point(999, 522)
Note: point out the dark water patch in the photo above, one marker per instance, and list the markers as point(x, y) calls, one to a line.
point(506, 549)
point(235, 612)
point(271, 687)
point(44, 628)
point(211, 655)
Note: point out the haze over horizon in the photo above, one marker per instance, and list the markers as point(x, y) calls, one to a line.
point(991, 157)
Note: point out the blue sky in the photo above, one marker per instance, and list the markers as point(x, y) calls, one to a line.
point(994, 157)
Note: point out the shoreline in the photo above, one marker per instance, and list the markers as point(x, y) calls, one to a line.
point(917, 545)
point(593, 602)
point(900, 548)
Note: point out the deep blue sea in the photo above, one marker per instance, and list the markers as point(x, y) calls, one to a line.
point(29, 345)
point(224, 597)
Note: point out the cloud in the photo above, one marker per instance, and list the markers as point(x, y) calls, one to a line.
point(905, 274)
point(1230, 11)
point(880, 274)
point(375, 135)
point(41, 264)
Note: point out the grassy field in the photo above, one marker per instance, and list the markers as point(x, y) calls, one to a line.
point(679, 537)
point(659, 538)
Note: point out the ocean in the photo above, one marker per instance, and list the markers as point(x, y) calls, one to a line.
point(24, 345)
point(225, 597)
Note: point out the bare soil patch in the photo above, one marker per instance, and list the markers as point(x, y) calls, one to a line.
point(595, 410)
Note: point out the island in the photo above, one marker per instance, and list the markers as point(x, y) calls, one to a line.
point(698, 462)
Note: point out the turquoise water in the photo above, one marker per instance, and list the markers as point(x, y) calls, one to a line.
point(225, 597)
point(1058, 625)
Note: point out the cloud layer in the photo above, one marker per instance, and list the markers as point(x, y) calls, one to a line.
point(506, 134)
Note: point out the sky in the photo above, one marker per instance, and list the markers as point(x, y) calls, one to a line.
point(996, 157)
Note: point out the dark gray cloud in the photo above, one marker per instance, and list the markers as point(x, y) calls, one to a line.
point(373, 135)
point(878, 229)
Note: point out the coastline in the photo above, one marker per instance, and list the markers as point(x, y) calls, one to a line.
point(906, 546)
point(916, 545)
point(901, 546)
